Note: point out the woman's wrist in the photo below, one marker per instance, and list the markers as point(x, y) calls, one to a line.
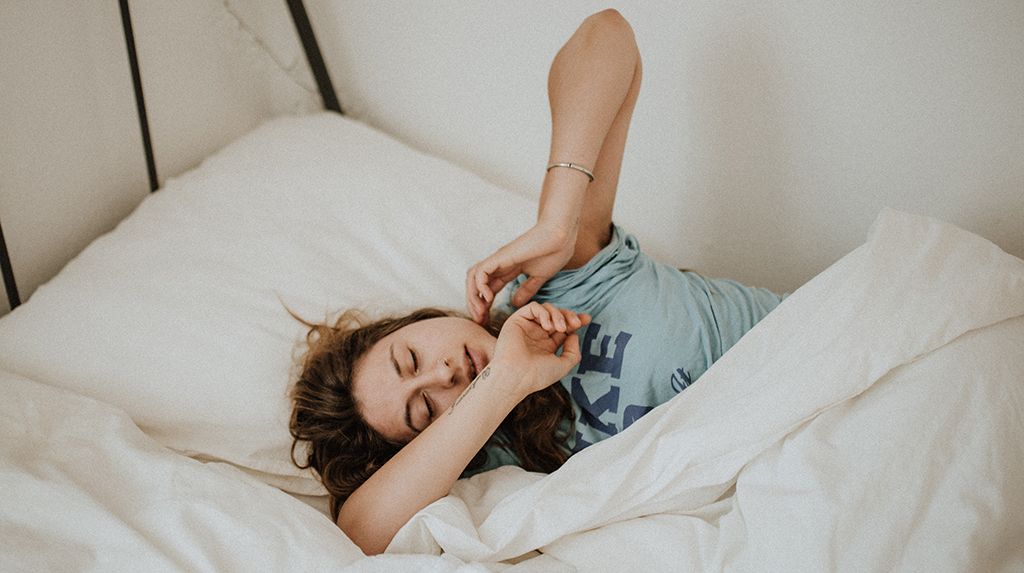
point(558, 234)
point(561, 201)
point(509, 385)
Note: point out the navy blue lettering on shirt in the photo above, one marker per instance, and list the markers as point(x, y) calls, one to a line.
point(593, 406)
point(611, 365)
point(680, 379)
point(591, 410)
point(656, 331)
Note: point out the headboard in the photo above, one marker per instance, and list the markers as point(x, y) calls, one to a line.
point(314, 58)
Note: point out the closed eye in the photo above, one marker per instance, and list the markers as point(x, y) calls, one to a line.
point(430, 409)
point(415, 362)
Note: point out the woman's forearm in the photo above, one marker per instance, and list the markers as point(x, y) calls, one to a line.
point(427, 467)
point(589, 80)
point(593, 87)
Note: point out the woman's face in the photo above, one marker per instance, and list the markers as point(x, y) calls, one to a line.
point(411, 376)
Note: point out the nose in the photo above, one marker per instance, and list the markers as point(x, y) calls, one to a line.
point(442, 375)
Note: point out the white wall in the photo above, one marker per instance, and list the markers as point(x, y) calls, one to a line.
point(71, 158)
point(767, 135)
point(766, 138)
point(214, 70)
point(71, 163)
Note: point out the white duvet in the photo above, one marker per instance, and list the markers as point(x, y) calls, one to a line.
point(873, 422)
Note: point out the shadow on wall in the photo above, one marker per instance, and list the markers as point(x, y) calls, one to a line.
point(743, 165)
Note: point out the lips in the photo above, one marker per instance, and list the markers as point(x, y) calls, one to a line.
point(474, 363)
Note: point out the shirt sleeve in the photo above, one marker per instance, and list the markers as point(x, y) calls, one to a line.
point(497, 456)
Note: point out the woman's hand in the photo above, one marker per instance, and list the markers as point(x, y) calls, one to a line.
point(528, 342)
point(425, 469)
point(540, 252)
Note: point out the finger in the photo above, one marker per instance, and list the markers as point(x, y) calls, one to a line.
point(543, 317)
point(481, 276)
point(495, 284)
point(471, 307)
point(477, 307)
point(470, 289)
point(537, 314)
point(483, 310)
point(498, 282)
point(526, 290)
point(473, 304)
point(557, 316)
point(571, 349)
point(572, 320)
point(557, 338)
point(495, 277)
point(505, 274)
point(501, 277)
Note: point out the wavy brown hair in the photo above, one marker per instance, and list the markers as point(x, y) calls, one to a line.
point(345, 451)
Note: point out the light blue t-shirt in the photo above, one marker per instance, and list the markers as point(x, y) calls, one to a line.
point(654, 331)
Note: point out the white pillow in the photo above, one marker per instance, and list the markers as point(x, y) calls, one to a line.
point(176, 316)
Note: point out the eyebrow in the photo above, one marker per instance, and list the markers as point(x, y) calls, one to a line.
point(398, 370)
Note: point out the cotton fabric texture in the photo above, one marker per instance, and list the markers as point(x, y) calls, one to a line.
point(655, 331)
point(873, 421)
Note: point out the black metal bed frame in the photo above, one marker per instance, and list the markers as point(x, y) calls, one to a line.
point(316, 63)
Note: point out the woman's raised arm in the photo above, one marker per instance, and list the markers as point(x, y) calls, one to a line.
point(592, 88)
point(593, 85)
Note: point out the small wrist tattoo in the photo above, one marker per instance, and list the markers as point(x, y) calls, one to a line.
point(482, 376)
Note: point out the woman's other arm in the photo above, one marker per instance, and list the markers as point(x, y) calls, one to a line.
point(592, 88)
point(425, 469)
point(593, 85)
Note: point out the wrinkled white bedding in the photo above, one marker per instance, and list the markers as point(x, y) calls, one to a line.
point(874, 421)
point(845, 432)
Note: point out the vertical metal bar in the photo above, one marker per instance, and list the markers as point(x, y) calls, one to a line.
point(313, 55)
point(8, 271)
point(140, 101)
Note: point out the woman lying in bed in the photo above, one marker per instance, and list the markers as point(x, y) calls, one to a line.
point(395, 411)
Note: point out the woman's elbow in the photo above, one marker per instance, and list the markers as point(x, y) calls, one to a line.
point(370, 540)
point(610, 30)
point(609, 22)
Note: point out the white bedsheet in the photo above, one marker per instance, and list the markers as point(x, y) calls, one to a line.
point(842, 433)
point(874, 421)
